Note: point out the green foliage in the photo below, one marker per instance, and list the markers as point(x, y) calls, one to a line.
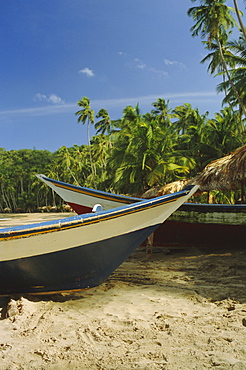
point(214, 22)
point(18, 184)
point(138, 152)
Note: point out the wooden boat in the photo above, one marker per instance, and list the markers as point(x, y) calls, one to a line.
point(78, 252)
point(209, 226)
point(193, 224)
point(82, 199)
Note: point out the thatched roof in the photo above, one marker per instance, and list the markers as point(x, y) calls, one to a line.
point(225, 173)
point(166, 189)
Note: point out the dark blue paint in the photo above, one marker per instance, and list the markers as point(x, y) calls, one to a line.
point(74, 268)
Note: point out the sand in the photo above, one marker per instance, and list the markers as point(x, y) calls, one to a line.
point(181, 309)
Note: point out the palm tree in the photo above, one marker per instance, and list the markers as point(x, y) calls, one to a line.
point(142, 154)
point(189, 126)
point(223, 133)
point(131, 115)
point(64, 161)
point(86, 114)
point(213, 18)
point(104, 125)
point(101, 147)
point(186, 117)
point(162, 111)
point(237, 60)
point(215, 64)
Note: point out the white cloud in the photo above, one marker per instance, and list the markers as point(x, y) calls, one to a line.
point(122, 53)
point(87, 71)
point(160, 72)
point(139, 64)
point(52, 98)
point(40, 97)
point(174, 63)
point(39, 111)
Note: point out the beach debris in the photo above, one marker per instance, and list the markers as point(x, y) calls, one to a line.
point(20, 307)
point(13, 309)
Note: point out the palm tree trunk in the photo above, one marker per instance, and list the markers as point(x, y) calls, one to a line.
point(239, 19)
point(93, 170)
point(6, 198)
point(242, 191)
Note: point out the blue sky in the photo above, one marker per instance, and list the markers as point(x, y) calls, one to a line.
point(117, 53)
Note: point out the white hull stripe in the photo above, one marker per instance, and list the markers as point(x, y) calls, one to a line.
point(87, 219)
point(36, 239)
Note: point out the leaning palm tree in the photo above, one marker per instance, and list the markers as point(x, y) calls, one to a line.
point(239, 17)
point(237, 61)
point(213, 19)
point(214, 58)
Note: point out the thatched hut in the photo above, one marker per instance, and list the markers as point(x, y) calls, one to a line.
point(226, 173)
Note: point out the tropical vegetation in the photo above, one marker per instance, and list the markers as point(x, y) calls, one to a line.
point(141, 150)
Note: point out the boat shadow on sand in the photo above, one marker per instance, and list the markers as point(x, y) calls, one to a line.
point(199, 274)
point(211, 274)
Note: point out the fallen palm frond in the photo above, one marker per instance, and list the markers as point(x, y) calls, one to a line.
point(157, 191)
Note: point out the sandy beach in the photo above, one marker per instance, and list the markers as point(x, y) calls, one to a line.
point(181, 309)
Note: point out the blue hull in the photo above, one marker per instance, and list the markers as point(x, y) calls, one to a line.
point(73, 269)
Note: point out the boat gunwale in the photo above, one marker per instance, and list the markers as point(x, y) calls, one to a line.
point(207, 208)
point(88, 218)
point(91, 192)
